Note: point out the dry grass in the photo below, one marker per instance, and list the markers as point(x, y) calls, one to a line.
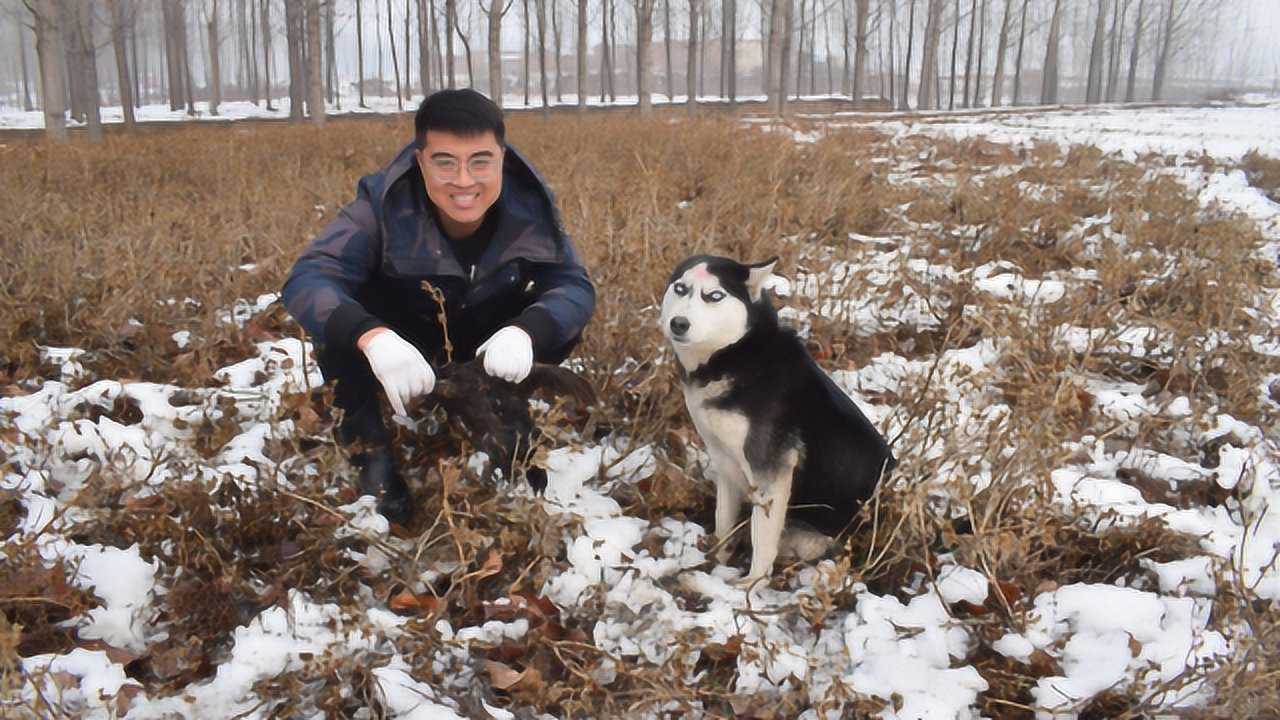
point(97, 236)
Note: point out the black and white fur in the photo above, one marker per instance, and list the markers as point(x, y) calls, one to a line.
point(779, 432)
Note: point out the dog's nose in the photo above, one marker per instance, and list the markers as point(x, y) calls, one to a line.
point(679, 325)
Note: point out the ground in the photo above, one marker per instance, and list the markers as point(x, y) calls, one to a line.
point(1065, 320)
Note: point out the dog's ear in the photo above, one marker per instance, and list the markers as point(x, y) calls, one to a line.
point(757, 274)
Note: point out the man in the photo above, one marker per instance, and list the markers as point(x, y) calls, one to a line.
point(457, 216)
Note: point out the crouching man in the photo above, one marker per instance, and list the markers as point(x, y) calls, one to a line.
point(457, 217)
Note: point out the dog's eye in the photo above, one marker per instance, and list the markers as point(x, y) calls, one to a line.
point(681, 289)
point(714, 296)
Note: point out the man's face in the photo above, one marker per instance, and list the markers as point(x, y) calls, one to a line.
point(463, 174)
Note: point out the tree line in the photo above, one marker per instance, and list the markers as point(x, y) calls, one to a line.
point(886, 54)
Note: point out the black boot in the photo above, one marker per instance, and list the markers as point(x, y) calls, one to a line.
point(380, 478)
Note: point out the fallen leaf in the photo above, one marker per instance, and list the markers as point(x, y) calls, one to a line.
point(411, 604)
point(492, 565)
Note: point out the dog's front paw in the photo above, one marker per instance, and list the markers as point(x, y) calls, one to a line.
point(752, 581)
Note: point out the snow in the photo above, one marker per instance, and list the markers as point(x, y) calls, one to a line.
point(661, 600)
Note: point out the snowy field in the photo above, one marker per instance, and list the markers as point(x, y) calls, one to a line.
point(661, 603)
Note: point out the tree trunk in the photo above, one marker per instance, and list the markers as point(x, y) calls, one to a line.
point(541, 7)
point(1133, 55)
point(332, 91)
point(997, 82)
point(264, 8)
point(604, 49)
point(495, 51)
point(929, 59)
point(904, 102)
point(582, 56)
point(893, 31)
point(315, 64)
point(1114, 50)
point(395, 61)
point(955, 47)
point(1162, 60)
point(800, 53)
point(360, 51)
point(862, 10)
point(846, 46)
point(425, 38)
point(666, 40)
point(777, 30)
point(173, 66)
point(968, 63)
point(119, 45)
point(26, 73)
point(184, 54)
point(48, 23)
point(525, 19)
point(691, 61)
point(466, 48)
point(644, 36)
point(982, 51)
point(788, 30)
point(408, 64)
point(1093, 91)
point(1017, 66)
point(214, 71)
point(87, 62)
point(1049, 85)
point(450, 27)
point(555, 35)
point(134, 68)
point(293, 36)
point(377, 33)
point(813, 52)
point(730, 69)
point(703, 24)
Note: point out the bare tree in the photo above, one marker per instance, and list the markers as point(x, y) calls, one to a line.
point(1114, 47)
point(1093, 92)
point(85, 50)
point(315, 63)
point(582, 55)
point(666, 40)
point(691, 63)
point(293, 19)
point(541, 7)
point(26, 73)
point(955, 46)
point(903, 102)
point(425, 37)
point(729, 51)
point(360, 51)
point(1133, 55)
point(495, 12)
point(1049, 84)
point(555, 33)
point(862, 10)
point(451, 26)
point(47, 21)
point(466, 48)
point(644, 36)
point(1175, 20)
point(982, 53)
point(214, 70)
point(172, 13)
point(929, 60)
point(395, 62)
point(264, 10)
point(997, 81)
point(525, 64)
point(1017, 65)
point(968, 63)
point(120, 20)
point(777, 53)
point(408, 66)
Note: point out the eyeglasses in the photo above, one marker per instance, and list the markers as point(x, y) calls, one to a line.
point(445, 169)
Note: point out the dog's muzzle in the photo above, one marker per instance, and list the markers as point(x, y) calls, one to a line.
point(679, 326)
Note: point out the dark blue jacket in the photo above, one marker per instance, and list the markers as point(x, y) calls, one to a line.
point(372, 264)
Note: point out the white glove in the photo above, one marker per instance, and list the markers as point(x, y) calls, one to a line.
point(508, 354)
point(401, 369)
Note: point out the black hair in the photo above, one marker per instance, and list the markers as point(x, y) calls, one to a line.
point(461, 112)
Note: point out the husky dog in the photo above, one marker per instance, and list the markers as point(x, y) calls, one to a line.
point(779, 432)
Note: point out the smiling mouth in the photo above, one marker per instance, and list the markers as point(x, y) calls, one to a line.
point(465, 200)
